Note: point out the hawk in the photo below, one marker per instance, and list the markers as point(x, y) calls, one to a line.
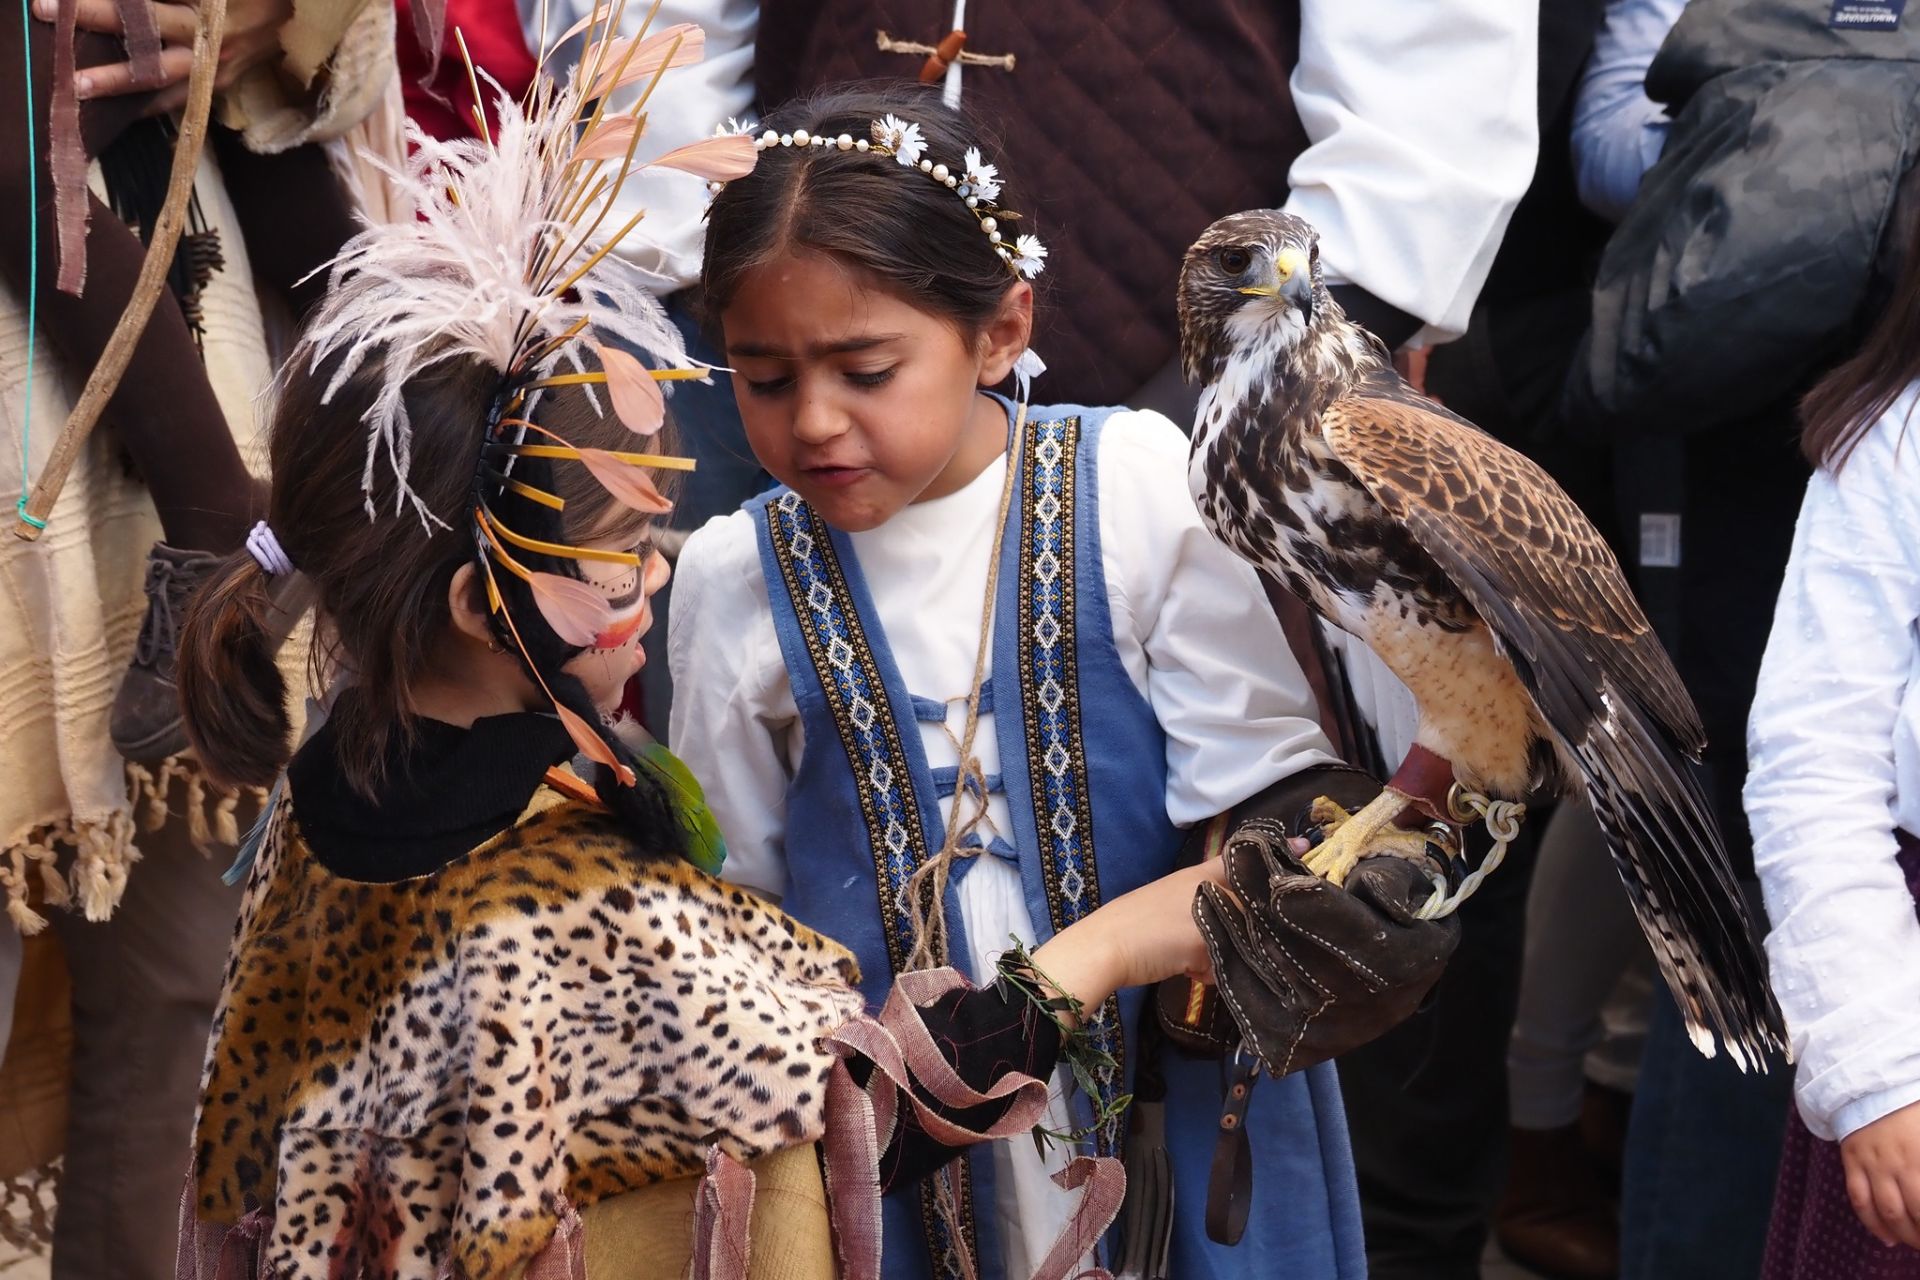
point(1477, 582)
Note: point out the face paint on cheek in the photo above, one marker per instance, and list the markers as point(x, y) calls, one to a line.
point(621, 630)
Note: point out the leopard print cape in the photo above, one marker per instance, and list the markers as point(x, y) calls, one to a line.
point(425, 1078)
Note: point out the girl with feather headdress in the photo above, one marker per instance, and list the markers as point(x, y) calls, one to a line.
point(489, 1010)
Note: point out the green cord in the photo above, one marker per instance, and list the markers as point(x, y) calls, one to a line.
point(33, 270)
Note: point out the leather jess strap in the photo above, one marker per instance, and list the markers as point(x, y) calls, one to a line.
point(1230, 1182)
point(1426, 778)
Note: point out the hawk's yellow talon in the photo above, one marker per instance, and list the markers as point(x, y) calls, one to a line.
point(1363, 834)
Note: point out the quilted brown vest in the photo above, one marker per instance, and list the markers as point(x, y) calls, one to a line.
point(1128, 127)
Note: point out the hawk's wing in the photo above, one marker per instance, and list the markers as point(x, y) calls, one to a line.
point(1474, 504)
point(1541, 577)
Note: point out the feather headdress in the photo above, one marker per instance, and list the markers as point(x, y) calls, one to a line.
point(508, 261)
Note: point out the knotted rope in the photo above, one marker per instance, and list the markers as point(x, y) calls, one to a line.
point(1503, 824)
point(926, 888)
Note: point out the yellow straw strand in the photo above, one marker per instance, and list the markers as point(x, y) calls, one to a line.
point(500, 552)
point(567, 380)
point(559, 550)
point(552, 501)
point(659, 461)
point(479, 103)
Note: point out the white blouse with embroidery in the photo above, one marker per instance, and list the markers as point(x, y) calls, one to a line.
point(1191, 625)
point(1834, 754)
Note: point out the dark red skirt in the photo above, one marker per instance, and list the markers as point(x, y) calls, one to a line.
point(1815, 1234)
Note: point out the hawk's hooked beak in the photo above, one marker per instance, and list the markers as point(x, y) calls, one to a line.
point(1292, 280)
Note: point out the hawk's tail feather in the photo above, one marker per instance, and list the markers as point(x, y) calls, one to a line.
point(1668, 850)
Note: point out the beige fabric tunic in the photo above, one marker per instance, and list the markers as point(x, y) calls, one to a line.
point(71, 603)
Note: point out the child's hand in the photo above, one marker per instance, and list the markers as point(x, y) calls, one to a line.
point(1139, 938)
point(1883, 1175)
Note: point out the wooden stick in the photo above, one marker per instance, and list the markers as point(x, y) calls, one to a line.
point(105, 378)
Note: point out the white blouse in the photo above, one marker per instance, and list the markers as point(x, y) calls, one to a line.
point(1834, 751)
point(1192, 628)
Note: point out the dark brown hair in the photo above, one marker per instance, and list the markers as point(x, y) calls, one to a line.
point(380, 582)
point(1844, 405)
point(909, 233)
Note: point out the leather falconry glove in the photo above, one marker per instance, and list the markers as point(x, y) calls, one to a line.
point(1309, 969)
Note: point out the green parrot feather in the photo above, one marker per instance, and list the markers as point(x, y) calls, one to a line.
point(706, 847)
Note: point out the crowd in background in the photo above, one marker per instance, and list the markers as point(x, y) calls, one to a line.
point(1642, 231)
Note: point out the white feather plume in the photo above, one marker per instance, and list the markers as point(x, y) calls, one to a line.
point(498, 229)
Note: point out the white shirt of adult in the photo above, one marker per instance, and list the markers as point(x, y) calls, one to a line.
point(1422, 138)
point(1423, 130)
point(1192, 627)
point(1834, 767)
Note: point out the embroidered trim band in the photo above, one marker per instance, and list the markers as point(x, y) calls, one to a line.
point(857, 700)
point(1050, 696)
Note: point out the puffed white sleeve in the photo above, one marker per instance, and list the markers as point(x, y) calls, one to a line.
point(1235, 706)
point(734, 721)
point(1423, 130)
point(1845, 946)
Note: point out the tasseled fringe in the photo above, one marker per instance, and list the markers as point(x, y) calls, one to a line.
point(17, 867)
point(104, 849)
point(27, 1203)
point(30, 872)
point(99, 873)
point(212, 810)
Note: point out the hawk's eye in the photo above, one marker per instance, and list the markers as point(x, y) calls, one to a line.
point(1234, 261)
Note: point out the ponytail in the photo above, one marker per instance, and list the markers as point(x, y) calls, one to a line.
point(231, 691)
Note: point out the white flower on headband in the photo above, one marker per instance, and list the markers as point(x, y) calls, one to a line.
point(900, 137)
point(1029, 256)
point(981, 180)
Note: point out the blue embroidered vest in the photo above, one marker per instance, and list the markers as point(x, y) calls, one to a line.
point(1090, 823)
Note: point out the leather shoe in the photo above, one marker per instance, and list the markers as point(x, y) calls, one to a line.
point(1556, 1216)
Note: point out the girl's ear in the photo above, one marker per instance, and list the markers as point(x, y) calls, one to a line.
point(467, 604)
point(1007, 334)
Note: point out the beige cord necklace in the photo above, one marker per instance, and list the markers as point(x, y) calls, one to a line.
point(926, 888)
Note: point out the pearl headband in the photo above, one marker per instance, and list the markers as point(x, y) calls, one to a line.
point(976, 182)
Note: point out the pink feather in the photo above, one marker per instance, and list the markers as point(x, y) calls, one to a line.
point(719, 159)
point(576, 612)
point(591, 745)
point(607, 140)
point(601, 12)
point(655, 52)
point(636, 396)
point(629, 484)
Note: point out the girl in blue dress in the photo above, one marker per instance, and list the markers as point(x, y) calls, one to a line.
point(975, 666)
